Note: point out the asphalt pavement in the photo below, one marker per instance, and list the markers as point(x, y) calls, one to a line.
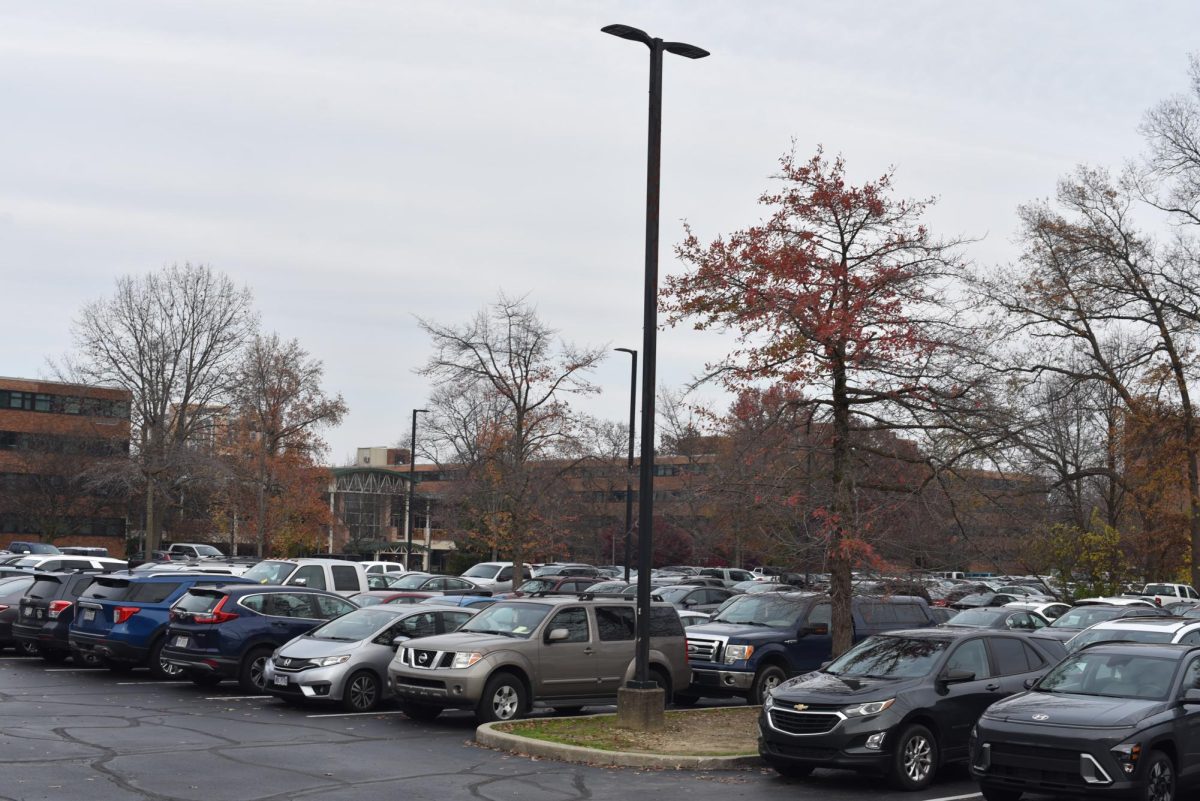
point(71, 733)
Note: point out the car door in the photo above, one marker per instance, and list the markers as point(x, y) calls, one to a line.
point(290, 615)
point(1188, 724)
point(616, 629)
point(569, 667)
point(1013, 662)
point(959, 704)
point(813, 644)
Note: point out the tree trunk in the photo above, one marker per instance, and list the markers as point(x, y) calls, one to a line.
point(151, 534)
point(840, 590)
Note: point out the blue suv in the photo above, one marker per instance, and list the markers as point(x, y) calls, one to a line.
point(230, 632)
point(122, 620)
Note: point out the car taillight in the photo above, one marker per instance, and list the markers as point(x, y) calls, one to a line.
point(3, 607)
point(216, 615)
point(58, 607)
point(123, 613)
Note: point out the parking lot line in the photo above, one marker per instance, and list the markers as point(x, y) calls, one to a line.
point(16, 658)
point(352, 714)
point(237, 697)
point(73, 670)
point(955, 797)
point(127, 683)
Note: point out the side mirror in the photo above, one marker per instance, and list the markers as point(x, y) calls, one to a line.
point(398, 641)
point(1029, 683)
point(1191, 696)
point(558, 635)
point(957, 676)
point(300, 582)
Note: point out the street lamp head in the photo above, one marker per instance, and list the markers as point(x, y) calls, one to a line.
point(420, 411)
point(685, 50)
point(628, 32)
point(630, 351)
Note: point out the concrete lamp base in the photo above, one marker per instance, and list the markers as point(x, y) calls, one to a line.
point(642, 710)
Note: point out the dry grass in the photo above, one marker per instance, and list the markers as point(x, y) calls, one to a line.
point(700, 732)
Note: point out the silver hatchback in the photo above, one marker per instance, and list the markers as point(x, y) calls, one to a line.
point(346, 659)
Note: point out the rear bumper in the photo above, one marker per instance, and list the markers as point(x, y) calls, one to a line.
point(107, 649)
point(202, 663)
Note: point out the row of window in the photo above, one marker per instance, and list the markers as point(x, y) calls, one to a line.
point(615, 623)
point(63, 404)
point(77, 526)
point(614, 496)
point(62, 443)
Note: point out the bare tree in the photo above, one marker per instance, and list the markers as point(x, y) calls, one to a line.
point(506, 366)
point(171, 338)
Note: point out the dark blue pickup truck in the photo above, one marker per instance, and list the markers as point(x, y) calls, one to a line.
point(757, 640)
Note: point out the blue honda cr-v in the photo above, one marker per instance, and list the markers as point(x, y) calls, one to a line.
point(122, 620)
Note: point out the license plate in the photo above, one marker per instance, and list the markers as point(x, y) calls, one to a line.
point(281, 681)
point(89, 614)
point(181, 642)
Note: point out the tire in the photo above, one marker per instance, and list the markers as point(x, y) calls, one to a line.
point(662, 680)
point(26, 648)
point(206, 680)
point(991, 793)
point(504, 698)
point(790, 770)
point(361, 692)
point(158, 668)
point(1160, 779)
point(421, 712)
point(766, 679)
point(252, 677)
point(683, 699)
point(87, 659)
point(915, 760)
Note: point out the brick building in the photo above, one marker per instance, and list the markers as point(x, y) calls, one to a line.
point(53, 439)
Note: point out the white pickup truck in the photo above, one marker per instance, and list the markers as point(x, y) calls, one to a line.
point(333, 575)
point(1162, 594)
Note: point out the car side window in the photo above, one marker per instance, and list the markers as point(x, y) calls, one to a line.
point(972, 657)
point(456, 584)
point(344, 577)
point(820, 613)
point(615, 623)
point(1191, 638)
point(452, 620)
point(311, 576)
point(328, 607)
point(422, 625)
point(255, 603)
point(434, 584)
point(1009, 655)
point(575, 621)
point(1191, 676)
point(505, 575)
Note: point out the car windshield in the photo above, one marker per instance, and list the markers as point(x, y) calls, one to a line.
point(672, 594)
point(1082, 617)
point(889, 658)
point(761, 610)
point(537, 585)
point(207, 550)
point(1111, 676)
point(361, 624)
point(977, 599)
point(270, 572)
point(1158, 589)
point(1117, 635)
point(410, 582)
point(977, 618)
point(484, 571)
point(511, 620)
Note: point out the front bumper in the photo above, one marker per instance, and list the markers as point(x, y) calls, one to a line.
point(720, 682)
point(442, 687)
point(1039, 762)
point(829, 739)
point(325, 683)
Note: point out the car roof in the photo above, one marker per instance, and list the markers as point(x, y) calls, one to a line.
point(1172, 623)
point(562, 600)
point(1171, 650)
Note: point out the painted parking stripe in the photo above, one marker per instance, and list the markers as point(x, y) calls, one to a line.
point(128, 683)
point(236, 697)
point(955, 797)
point(352, 714)
point(74, 670)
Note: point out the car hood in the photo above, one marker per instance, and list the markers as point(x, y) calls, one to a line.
point(739, 631)
point(464, 641)
point(308, 648)
point(826, 688)
point(1062, 635)
point(1062, 709)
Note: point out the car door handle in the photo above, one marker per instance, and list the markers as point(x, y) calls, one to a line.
point(588, 651)
point(991, 687)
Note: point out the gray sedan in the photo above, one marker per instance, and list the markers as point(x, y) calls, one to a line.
point(346, 659)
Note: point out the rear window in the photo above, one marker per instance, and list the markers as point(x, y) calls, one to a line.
point(106, 591)
point(615, 623)
point(44, 588)
point(345, 578)
point(153, 592)
point(910, 613)
point(199, 602)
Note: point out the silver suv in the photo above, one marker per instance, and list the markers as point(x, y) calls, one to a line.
point(559, 651)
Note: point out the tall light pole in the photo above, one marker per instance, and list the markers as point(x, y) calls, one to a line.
point(642, 680)
point(629, 467)
point(408, 503)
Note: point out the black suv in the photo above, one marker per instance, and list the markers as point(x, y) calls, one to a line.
point(1113, 719)
point(900, 703)
point(46, 612)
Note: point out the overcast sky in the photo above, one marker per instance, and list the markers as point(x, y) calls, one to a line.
point(358, 163)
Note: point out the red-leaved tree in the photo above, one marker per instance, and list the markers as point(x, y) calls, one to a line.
point(842, 293)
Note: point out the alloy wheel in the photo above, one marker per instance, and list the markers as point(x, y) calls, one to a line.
point(505, 702)
point(362, 692)
point(1161, 782)
point(918, 758)
point(258, 672)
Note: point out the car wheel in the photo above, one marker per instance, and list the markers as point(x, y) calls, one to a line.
point(915, 762)
point(86, 658)
point(252, 677)
point(422, 712)
point(504, 698)
point(767, 679)
point(791, 770)
point(158, 668)
point(361, 692)
point(206, 680)
point(682, 699)
point(991, 793)
point(662, 680)
point(26, 648)
point(1160, 779)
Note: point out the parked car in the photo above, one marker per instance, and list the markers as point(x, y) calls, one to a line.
point(572, 569)
point(333, 575)
point(553, 585)
point(1078, 618)
point(11, 591)
point(194, 550)
point(984, 599)
point(1112, 720)
point(900, 703)
point(121, 620)
point(997, 618)
point(345, 660)
point(424, 582)
point(46, 611)
point(219, 633)
point(495, 576)
point(1049, 611)
point(62, 563)
point(696, 599)
point(1117, 600)
point(18, 546)
point(559, 651)
point(83, 550)
point(727, 575)
point(1168, 593)
point(1139, 629)
point(395, 568)
point(611, 587)
point(690, 618)
point(756, 642)
point(755, 587)
point(469, 601)
point(139, 558)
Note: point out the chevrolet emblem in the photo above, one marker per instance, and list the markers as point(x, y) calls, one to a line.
point(800, 707)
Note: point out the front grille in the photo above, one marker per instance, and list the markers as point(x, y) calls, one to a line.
point(426, 660)
point(1029, 763)
point(292, 665)
point(418, 682)
point(803, 722)
point(703, 650)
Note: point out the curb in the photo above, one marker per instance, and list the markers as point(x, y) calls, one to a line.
point(487, 735)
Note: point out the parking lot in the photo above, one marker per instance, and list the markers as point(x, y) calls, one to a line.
point(72, 733)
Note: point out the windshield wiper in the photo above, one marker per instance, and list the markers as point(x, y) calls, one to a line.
point(336, 639)
point(491, 631)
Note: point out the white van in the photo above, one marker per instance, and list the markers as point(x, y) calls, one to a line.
point(495, 576)
point(333, 575)
point(386, 568)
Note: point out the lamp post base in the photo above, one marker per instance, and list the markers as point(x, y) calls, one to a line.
point(641, 709)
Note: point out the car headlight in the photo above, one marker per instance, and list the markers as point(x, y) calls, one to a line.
point(867, 709)
point(737, 653)
point(465, 660)
point(326, 661)
point(1127, 755)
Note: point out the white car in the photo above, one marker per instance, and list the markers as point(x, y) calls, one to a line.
point(387, 568)
point(54, 562)
point(1115, 600)
point(495, 576)
point(1049, 610)
point(1139, 629)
